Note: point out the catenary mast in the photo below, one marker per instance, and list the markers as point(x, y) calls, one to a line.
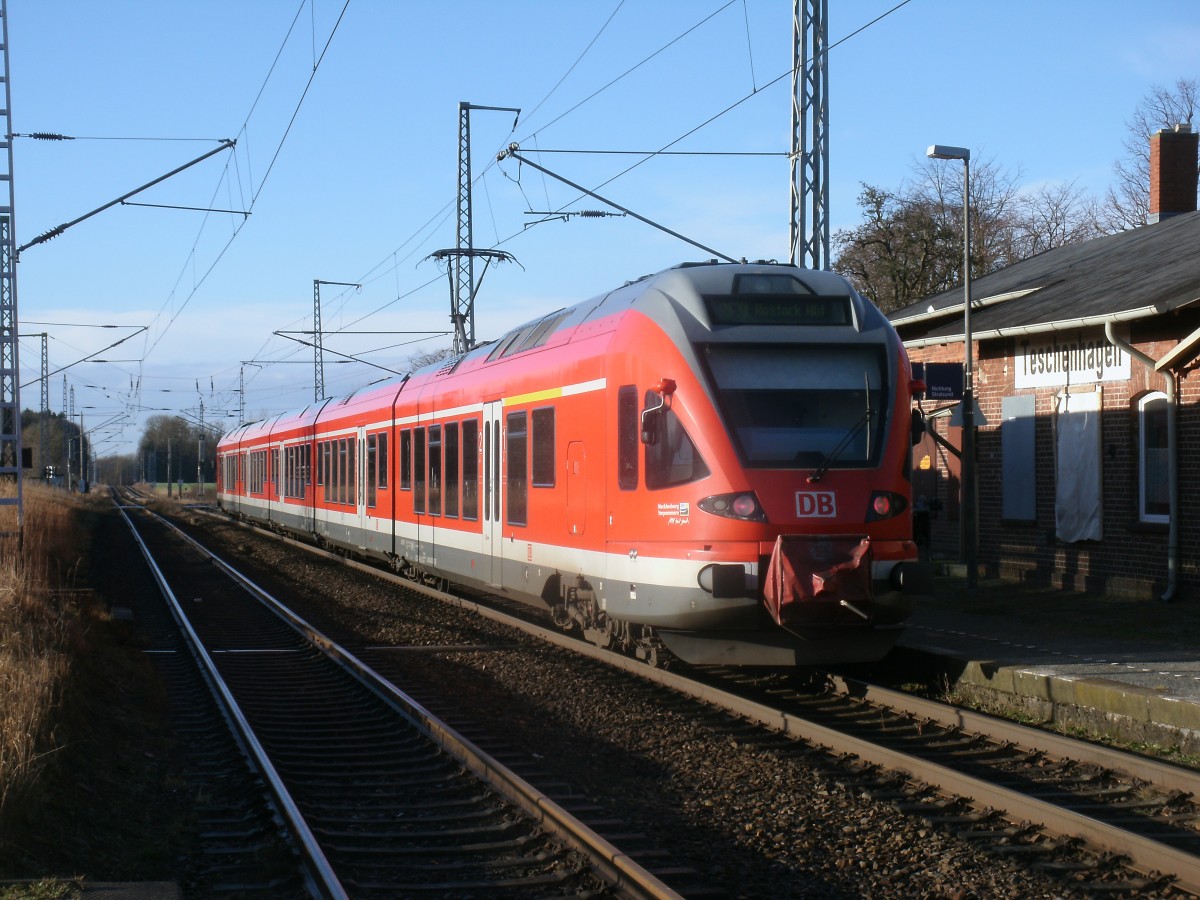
point(11, 451)
point(809, 232)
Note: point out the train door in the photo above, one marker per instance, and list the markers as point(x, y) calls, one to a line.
point(361, 485)
point(576, 487)
point(493, 530)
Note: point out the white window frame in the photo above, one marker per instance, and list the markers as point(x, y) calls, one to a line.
point(1143, 432)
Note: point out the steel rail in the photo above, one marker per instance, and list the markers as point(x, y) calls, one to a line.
point(319, 864)
point(1145, 853)
point(625, 874)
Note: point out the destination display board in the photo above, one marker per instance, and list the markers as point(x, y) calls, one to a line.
point(777, 309)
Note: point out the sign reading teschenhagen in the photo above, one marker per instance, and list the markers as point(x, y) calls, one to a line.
point(1063, 361)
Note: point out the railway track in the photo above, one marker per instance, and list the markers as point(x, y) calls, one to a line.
point(1099, 819)
point(375, 794)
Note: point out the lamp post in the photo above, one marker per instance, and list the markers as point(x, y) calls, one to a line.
point(969, 520)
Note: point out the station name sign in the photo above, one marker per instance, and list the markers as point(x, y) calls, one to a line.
point(1063, 361)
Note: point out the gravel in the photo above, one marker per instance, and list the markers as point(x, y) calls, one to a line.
point(754, 815)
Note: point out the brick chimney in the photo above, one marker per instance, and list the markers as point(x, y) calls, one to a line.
point(1173, 167)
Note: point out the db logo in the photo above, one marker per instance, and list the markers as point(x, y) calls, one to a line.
point(816, 505)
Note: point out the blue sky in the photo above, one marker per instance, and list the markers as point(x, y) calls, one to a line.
point(357, 181)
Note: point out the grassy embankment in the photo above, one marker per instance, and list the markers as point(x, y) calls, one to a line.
point(39, 625)
point(85, 763)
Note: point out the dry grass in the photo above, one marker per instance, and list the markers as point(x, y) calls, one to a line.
point(39, 632)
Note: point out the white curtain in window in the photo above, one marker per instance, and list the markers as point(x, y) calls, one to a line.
point(1079, 499)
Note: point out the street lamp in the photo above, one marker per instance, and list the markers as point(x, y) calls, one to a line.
point(969, 521)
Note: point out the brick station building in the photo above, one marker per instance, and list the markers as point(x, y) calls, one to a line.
point(1086, 358)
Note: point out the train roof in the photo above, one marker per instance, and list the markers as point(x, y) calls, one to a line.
point(693, 301)
point(690, 286)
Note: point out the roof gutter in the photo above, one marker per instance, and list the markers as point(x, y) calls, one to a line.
point(1169, 379)
point(957, 308)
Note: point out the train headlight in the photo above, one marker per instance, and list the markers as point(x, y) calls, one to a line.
point(744, 506)
point(885, 505)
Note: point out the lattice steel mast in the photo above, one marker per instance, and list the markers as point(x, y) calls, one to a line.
point(462, 281)
point(318, 338)
point(11, 450)
point(809, 233)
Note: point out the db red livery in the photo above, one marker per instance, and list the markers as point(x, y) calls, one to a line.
point(712, 461)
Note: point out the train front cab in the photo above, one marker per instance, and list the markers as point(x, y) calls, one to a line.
point(786, 452)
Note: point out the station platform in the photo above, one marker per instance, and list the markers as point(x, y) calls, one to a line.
point(1124, 667)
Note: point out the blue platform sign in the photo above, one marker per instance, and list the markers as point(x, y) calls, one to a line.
point(943, 381)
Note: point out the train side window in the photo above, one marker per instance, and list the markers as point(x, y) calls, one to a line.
point(627, 438)
point(451, 489)
point(330, 474)
point(470, 469)
point(406, 460)
point(275, 470)
point(327, 462)
point(352, 471)
point(435, 470)
point(383, 460)
point(372, 464)
point(337, 456)
point(339, 470)
point(258, 471)
point(543, 447)
point(295, 471)
point(419, 470)
point(517, 484)
point(323, 469)
point(672, 459)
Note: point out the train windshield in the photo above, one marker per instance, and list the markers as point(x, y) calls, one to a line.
point(802, 406)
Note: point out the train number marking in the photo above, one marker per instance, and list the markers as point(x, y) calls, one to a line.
point(816, 504)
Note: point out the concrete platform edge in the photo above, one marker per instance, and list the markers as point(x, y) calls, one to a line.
point(1111, 708)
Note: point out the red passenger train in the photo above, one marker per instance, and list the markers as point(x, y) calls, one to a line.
point(713, 460)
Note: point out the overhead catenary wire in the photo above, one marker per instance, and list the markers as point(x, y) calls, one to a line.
point(664, 151)
point(196, 269)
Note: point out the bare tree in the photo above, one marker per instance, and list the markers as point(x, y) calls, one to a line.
point(422, 358)
point(1054, 215)
point(910, 245)
point(1127, 202)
